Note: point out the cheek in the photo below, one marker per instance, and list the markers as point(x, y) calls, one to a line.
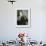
point(20, 14)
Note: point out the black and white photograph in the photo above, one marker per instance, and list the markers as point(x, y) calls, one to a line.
point(23, 17)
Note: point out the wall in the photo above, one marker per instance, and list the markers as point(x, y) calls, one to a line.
point(8, 28)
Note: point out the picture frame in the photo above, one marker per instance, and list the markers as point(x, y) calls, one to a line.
point(23, 17)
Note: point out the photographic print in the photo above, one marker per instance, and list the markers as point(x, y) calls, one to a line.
point(23, 17)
